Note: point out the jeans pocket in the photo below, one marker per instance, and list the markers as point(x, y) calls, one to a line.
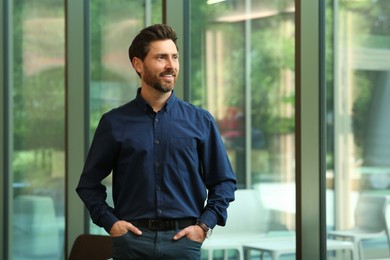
point(190, 241)
point(120, 239)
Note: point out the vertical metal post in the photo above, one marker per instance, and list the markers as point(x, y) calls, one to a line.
point(310, 217)
point(176, 14)
point(6, 127)
point(148, 12)
point(76, 78)
point(2, 126)
point(248, 96)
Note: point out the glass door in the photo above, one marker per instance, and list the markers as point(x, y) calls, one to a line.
point(113, 81)
point(242, 71)
point(38, 119)
point(358, 102)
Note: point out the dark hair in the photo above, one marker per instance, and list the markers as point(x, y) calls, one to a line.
point(140, 46)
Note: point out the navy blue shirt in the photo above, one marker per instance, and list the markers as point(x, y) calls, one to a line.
point(164, 165)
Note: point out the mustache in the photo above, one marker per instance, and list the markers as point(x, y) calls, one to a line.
point(168, 72)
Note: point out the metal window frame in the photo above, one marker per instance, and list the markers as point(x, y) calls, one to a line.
point(76, 117)
point(6, 126)
point(310, 148)
point(177, 14)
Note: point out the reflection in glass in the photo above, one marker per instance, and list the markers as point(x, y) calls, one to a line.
point(358, 80)
point(242, 71)
point(113, 81)
point(38, 137)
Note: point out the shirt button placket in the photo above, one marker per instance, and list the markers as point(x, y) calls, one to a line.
point(157, 165)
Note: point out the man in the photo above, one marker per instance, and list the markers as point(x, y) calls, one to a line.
point(167, 159)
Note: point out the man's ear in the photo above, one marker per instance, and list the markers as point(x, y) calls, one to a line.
point(137, 64)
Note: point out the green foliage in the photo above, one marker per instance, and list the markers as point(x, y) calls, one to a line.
point(271, 52)
point(362, 100)
point(39, 90)
point(39, 119)
point(372, 27)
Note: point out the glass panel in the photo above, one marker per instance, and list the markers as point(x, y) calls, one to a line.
point(38, 121)
point(113, 25)
point(243, 73)
point(358, 80)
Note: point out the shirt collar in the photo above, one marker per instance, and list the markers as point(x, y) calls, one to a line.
point(170, 102)
point(144, 105)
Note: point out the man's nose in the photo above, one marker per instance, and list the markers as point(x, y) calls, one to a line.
point(170, 63)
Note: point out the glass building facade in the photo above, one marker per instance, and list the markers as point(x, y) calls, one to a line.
point(300, 91)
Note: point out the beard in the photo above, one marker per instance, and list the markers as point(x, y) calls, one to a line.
point(158, 84)
point(162, 88)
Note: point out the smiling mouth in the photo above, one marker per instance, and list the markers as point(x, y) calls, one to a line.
point(168, 77)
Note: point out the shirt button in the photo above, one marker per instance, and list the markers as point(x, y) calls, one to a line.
point(159, 211)
point(157, 141)
point(157, 164)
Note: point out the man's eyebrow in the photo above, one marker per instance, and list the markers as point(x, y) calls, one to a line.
point(167, 54)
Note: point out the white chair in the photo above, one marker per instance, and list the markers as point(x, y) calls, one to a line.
point(247, 222)
point(35, 229)
point(369, 221)
point(387, 219)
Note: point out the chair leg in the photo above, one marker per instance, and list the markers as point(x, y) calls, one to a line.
point(275, 255)
point(246, 254)
point(355, 253)
point(388, 241)
point(361, 253)
point(351, 252)
point(241, 254)
point(210, 254)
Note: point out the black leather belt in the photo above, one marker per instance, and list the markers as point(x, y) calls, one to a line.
point(164, 224)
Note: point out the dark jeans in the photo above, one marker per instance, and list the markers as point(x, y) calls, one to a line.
point(157, 245)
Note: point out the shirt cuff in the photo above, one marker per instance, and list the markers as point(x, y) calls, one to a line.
point(209, 218)
point(107, 221)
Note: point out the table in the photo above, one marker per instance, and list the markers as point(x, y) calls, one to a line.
point(277, 246)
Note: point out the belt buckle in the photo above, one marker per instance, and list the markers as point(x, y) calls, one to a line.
point(156, 224)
